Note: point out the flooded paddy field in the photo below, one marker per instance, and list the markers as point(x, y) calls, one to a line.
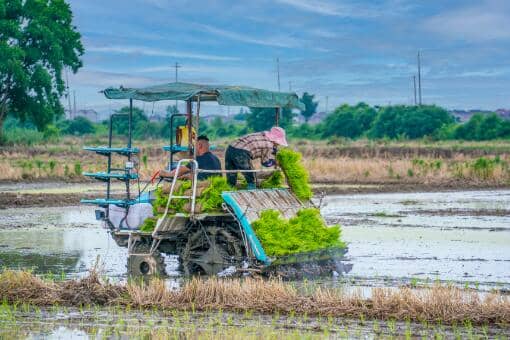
point(116, 322)
point(412, 239)
point(461, 237)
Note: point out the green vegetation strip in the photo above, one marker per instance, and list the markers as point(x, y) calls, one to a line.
point(305, 232)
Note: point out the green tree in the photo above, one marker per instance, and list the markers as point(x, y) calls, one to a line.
point(469, 130)
point(483, 127)
point(178, 121)
point(310, 106)
point(77, 126)
point(121, 124)
point(349, 121)
point(241, 116)
point(409, 121)
point(37, 42)
point(261, 119)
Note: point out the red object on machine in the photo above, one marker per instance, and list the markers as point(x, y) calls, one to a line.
point(154, 176)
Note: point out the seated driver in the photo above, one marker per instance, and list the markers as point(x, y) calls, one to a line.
point(206, 161)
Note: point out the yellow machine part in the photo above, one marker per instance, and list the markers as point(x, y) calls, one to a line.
point(182, 135)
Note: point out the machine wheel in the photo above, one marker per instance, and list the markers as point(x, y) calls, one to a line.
point(210, 250)
point(141, 263)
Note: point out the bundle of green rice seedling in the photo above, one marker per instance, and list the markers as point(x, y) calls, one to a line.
point(273, 182)
point(177, 204)
point(295, 172)
point(210, 199)
point(305, 232)
point(149, 224)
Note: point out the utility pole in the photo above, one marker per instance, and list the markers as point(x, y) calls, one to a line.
point(414, 83)
point(290, 86)
point(419, 78)
point(68, 95)
point(74, 110)
point(177, 66)
point(327, 99)
point(278, 72)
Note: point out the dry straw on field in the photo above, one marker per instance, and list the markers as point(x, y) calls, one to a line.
point(438, 303)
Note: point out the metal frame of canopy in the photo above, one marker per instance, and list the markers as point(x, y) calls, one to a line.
point(223, 95)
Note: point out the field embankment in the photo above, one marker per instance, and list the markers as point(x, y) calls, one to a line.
point(436, 303)
point(334, 166)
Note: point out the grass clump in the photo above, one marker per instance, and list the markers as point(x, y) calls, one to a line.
point(296, 173)
point(273, 182)
point(303, 233)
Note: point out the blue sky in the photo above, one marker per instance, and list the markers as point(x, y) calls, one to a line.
point(350, 51)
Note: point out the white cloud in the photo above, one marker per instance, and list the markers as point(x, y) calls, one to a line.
point(102, 79)
point(276, 41)
point(350, 9)
point(147, 51)
point(484, 22)
point(322, 33)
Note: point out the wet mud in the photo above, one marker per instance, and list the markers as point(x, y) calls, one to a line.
point(393, 240)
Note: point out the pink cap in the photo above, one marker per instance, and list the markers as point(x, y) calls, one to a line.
point(277, 135)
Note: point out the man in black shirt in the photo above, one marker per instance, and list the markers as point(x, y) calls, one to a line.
point(205, 158)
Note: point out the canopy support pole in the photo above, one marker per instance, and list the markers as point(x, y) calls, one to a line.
point(276, 116)
point(130, 125)
point(189, 123)
point(198, 127)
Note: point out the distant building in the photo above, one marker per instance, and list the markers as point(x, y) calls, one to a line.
point(209, 118)
point(503, 113)
point(156, 118)
point(465, 115)
point(317, 118)
point(90, 114)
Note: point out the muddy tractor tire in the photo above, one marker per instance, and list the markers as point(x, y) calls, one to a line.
point(141, 263)
point(209, 250)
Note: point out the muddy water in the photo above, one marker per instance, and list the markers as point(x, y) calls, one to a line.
point(462, 237)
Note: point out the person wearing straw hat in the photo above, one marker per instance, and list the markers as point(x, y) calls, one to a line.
point(262, 145)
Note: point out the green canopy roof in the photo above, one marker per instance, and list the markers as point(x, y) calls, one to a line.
point(224, 95)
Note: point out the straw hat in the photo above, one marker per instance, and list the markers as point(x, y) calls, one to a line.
point(277, 135)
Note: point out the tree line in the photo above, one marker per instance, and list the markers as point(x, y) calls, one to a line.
point(346, 121)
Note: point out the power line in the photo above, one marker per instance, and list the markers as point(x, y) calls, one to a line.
point(290, 86)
